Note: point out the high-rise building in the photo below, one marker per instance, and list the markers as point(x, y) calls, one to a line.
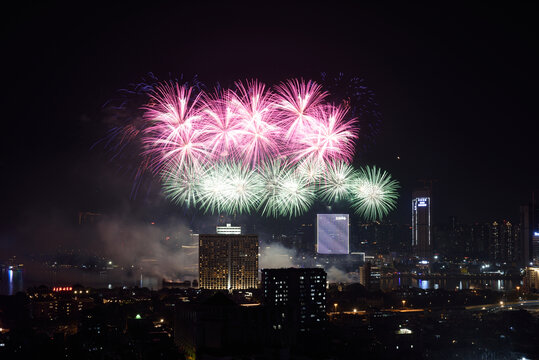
point(228, 262)
point(369, 276)
point(332, 234)
point(228, 229)
point(421, 223)
point(502, 242)
point(529, 233)
point(480, 240)
point(531, 278)
point(297, 297)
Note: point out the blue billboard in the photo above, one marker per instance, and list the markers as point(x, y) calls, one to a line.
point(332, 235)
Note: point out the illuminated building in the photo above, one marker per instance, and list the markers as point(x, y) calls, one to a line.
point(369, 276)
point(502, 242)
point(297, 298)
point(421, 223)
point(228, 230)
point(228, 262)
point(332, 234)
point(531, 278)
point(60, 302)
point(535, 247)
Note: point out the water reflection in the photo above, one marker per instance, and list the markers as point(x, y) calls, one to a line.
point(11, 281)
point(448, 284)
point(15, 280)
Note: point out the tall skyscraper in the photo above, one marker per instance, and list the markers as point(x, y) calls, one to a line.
point(296, 296)
point(228, 262)
point(369, 276)
point(332, 234)
point(529, 233)
point(502, 242)
point(421, 223)
point(480, 240)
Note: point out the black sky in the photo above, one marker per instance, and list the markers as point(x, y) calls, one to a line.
point(456, 84)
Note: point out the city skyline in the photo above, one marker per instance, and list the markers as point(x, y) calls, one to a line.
point(220, 180)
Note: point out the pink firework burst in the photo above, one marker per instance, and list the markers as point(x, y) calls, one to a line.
point(221, 126)
point(260, 134)
point(297, 101)
point(174, 133)
point(330, 137)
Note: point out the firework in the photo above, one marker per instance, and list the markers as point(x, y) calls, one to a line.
point(182, 185)
point(311, 170)
point(337, 184)
point(258, 127)
point(174, 135)
point(295, 195)
point(255, 148)
point(331, 137)
point(222, 126)
point(242, 188)
point(298, 101)
point(374, 193)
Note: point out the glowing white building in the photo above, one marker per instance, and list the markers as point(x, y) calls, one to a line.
point(332, 234)
point(421, 224)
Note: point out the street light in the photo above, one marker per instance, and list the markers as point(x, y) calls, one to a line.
point(335, 306)
point(403, 303)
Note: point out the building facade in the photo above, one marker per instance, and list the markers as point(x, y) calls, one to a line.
point(228, 262)
point(421, 224)
point(332, 234)
point(529, 233)
point(297, 298)
point(503, 240)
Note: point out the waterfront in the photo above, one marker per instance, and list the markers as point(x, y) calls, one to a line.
point(15, 280)
point(451, 283)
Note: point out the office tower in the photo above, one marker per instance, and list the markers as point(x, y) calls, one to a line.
point(531, 278)
point(296, 297)
point(480, 241)
point(421, 223)
point(332, 233)
point(228, 262)
point(529, 233)
point(228, 229)
point(369, 276)
point(502, 242)
point(535, 248)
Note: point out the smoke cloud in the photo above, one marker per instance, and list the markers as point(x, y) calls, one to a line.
point(165, 251)
point(275, 255)
point(337, 275)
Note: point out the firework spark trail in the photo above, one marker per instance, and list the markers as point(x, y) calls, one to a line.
point(174, 134)
point(374, 193)
point(182, 185)
point(221, 126)
point(272, 175)
point(260, 135)
point(338, 181)
point(298, 101)
point(331, 137)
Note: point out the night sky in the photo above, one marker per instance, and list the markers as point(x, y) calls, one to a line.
point(456, 85)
